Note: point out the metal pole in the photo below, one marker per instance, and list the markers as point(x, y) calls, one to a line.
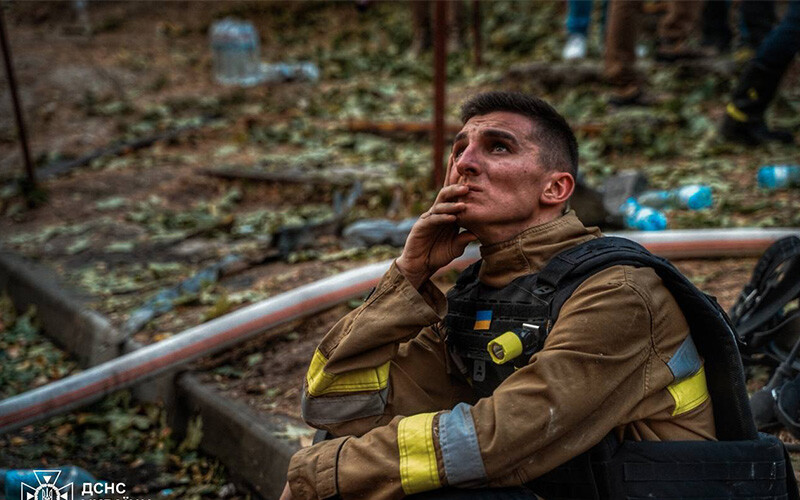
point(12, 84)
point(476, 32)
point(439, 81)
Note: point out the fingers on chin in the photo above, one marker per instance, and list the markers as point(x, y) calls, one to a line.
point(448, 208)
point(441, 218)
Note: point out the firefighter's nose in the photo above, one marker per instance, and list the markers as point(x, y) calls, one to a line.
point(468, 164)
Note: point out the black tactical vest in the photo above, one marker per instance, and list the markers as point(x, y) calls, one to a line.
point(743, 464)
point(477, 314)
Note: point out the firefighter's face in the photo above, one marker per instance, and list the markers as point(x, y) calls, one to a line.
point(496, 155)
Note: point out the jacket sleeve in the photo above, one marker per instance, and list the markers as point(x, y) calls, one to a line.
point(385, 358)
point(592, 371)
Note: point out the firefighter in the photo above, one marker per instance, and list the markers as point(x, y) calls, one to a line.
point(412, 386)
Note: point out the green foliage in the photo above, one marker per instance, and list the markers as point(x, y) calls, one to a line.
point(27, 359)
point(113, 439)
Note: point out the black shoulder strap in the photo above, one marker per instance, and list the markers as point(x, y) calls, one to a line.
point(774, 283)
point(711, 329)
point(470, 274)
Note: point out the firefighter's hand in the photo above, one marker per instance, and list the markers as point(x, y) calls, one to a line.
point(434, 240)
point(287, 493)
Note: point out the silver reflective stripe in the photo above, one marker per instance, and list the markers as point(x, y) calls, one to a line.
point(460, 451)
point(333, 409)
point(686, 360)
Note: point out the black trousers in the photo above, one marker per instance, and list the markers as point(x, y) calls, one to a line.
point(476, 494)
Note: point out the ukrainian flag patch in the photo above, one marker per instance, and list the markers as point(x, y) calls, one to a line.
point(483, 320)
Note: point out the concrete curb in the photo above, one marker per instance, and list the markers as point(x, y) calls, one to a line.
point(238, 436)
point(65, 316)
point(247, 442)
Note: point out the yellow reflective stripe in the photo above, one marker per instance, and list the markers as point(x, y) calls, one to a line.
point(418, 470)
point(367, 379)
point(735, 113)
point(689, 393)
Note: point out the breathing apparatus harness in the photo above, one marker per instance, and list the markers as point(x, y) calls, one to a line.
point(767, 321)
point(761, 322)
point(492, 332)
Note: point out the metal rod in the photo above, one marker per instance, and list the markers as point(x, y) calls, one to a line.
point(439, 82)
point(12, 85)
point(477, 49)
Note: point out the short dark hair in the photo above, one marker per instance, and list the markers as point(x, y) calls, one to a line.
point(559, 146)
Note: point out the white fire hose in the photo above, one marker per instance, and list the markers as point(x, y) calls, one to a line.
point(219, 334)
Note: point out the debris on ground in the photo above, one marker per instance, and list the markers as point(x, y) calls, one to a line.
point(115, 440)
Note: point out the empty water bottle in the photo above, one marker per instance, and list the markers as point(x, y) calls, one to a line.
point(642, 218)
point(15, 481)
point(779, 176)
point(693, 197)
point(371, 232)
point(235, 52)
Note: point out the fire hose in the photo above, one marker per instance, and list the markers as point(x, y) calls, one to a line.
point(147, 362)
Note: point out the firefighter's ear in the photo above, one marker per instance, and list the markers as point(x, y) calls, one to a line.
point(558, 189)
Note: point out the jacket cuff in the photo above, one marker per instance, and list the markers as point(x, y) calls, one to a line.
point(432, 307)
point(312, 470)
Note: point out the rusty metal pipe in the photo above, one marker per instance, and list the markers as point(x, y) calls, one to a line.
point(439, 82)
point(477, 49)
point(12, 85)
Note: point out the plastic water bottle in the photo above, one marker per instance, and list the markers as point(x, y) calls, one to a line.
point(642, 218)
point(693, 197)
point(284, 72)
point(779, 176)
point(14, 479)
point(371, 232)
point(235, 52)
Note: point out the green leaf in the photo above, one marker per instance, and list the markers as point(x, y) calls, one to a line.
point(229, 371)
point(110, 203)
point(78, 246)
point(120, 247)
point(194, 434)
point(254, 359)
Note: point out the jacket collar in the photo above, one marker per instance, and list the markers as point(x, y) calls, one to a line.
point(530, 250)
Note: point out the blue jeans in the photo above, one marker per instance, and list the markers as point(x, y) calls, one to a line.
point(579, 15)
point(778, 49)
point(756, 19)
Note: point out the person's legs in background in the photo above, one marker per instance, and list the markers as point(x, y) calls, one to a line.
point(756, 20)
point(675, 28)
point(620, 51)
point(758, 84)
point(579, 16)
point(716, 26)
point(422, 39)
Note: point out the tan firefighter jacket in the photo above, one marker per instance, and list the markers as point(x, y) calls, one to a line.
point(382, 378)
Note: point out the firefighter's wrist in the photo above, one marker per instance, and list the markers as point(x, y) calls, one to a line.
point(417, 278)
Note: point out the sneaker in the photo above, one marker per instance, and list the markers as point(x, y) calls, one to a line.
point(575, 48)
